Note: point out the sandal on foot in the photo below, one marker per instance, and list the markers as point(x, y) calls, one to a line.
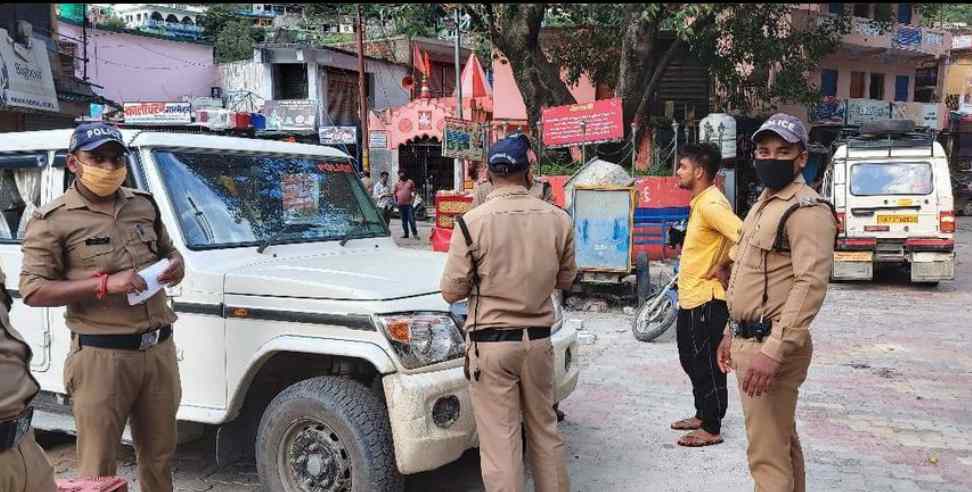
point(692, 440)
point(687, 424)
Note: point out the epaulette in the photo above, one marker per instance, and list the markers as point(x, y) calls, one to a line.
point(42, 212)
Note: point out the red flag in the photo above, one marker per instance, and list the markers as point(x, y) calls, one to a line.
point(428, 64)
point(418, 61)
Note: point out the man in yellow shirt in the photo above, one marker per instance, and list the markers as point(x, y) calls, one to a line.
point(702, 315)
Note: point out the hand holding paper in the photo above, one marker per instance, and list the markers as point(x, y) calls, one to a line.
point(151, 277)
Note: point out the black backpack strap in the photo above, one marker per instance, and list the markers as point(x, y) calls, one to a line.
point(780, 244)
point(464, 229)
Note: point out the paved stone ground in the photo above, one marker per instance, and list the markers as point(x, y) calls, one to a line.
point(885, 407)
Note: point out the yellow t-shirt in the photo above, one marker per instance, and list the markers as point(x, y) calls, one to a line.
point(712, 229)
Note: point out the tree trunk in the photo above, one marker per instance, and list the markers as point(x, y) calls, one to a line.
point(515, 31)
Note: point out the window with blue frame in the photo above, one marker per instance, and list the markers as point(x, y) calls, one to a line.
point(901, 88)
point(828, 82)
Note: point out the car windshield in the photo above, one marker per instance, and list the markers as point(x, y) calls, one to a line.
point(238, 199)
point(892, 178)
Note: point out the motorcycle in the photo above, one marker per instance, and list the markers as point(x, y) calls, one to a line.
point(660, 311)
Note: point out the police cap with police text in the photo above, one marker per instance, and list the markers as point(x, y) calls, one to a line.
point(787, 127)
point(90, 136)
point(509, 155)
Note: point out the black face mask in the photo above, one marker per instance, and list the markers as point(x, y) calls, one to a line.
point(775, 174)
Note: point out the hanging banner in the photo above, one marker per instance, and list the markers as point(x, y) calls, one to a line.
point(829, 110)
point(462, 140)
point(26, 80)
point(338, 135)
point(158, 113)
point(291, 114)
point(578, 124)
point(860, 111)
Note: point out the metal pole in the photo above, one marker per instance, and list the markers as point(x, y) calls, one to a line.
point(634, 146)
point(584, 147)
point(458, 165)
point(84, 39)
point(362, 95)
point(675, 148)
point(540, 146)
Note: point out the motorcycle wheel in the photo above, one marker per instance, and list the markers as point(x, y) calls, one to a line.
point(648, 326)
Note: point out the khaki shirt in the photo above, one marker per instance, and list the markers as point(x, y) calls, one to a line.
point(71, 239)
point(524, 249)
point(540, 189)
point(17, 385)
point(797, 279)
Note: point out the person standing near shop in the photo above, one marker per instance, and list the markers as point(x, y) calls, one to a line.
point(83, 251)
point(383, 196)
point(404, 198)
point(23, 464)
point(507, 257)
point(702, 315)
point(779, 281)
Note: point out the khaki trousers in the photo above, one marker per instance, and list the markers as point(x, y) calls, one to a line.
point(25, 468)
point(107, 386)
point(775, 456)
point(516, 386)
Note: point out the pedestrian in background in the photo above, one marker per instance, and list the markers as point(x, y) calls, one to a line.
point(779, 281)
point(83, 250)
point(507, 257)
point(383, 196)
point(23, 464)
point(702, 315)
point(404, 198)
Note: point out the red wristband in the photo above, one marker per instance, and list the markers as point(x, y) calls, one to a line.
point(102, 285)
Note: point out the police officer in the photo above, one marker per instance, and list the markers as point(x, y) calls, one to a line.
point(83, 251)
point(778, 283)
point(23, 465)
point(538, 188)
point(507, 257)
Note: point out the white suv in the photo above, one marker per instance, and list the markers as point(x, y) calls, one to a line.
point(893, 196)
point(304, 332)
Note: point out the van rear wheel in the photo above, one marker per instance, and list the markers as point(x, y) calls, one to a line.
point(326, 434)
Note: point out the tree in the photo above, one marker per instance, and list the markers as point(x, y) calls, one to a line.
point(629, 46)
point(235, 42)
point(217, 17)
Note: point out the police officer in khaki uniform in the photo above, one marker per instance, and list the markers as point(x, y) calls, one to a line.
point(83, 251)
point(779, 280)
point(23, 465)
point(538, 188)
point(517, 251)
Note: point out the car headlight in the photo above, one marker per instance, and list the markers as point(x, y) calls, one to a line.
point(422, 339)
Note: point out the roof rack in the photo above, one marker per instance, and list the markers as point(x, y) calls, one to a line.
point(890, 135)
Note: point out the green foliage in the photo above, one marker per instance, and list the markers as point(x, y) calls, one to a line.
point(217, 17)
point(114, 24)
point(933, 14)
point(235, 42)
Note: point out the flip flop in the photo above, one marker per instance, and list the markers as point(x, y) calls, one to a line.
point(685, 425)
point(693, 441)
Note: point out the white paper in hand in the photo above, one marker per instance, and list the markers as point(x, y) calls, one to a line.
point(151, 276)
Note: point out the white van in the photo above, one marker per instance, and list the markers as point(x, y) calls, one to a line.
point(292, 282)
point(892, 193)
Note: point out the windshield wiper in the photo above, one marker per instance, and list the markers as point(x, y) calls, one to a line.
point(289, 227)
point(201, 220)
point(351, 233)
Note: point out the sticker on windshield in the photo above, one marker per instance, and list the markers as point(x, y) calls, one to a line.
point(335, 167)
point(301, 194)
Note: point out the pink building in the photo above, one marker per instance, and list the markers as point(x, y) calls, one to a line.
point(133, 67)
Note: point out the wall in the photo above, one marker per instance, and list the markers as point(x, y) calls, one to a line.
point(254, 77)
point(140, 68)
point(958, 77)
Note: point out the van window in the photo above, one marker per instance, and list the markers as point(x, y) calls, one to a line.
point(242, 199)
point(892, 178)
point(20, 192)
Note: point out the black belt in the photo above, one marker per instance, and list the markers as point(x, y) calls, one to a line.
point(12, 431)
point(142, 341)
point(757, 330)
point(509, 335)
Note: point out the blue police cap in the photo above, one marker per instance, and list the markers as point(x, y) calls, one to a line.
point(90, 136)
point(509, 155)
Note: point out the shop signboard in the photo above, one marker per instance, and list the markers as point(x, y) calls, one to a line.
point(338, 135)
point(290, 114)
point(924, 115)
point(579, 124)
point(378, 139)
point(860, 111)
point(26, 80)
point(158, 113)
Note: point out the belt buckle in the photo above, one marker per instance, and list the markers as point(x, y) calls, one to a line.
point(149, 340)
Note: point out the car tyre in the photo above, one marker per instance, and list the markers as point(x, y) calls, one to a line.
point(327, 434)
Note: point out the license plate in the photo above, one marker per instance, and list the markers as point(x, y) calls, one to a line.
point(853, 256)
point(897, 219)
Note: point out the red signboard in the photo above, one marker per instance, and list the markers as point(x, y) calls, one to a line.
point(593, 122)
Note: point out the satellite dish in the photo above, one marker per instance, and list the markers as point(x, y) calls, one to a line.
point(407, 82)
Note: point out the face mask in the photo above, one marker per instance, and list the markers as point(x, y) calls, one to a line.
point(102, 182)
point(775, 174)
